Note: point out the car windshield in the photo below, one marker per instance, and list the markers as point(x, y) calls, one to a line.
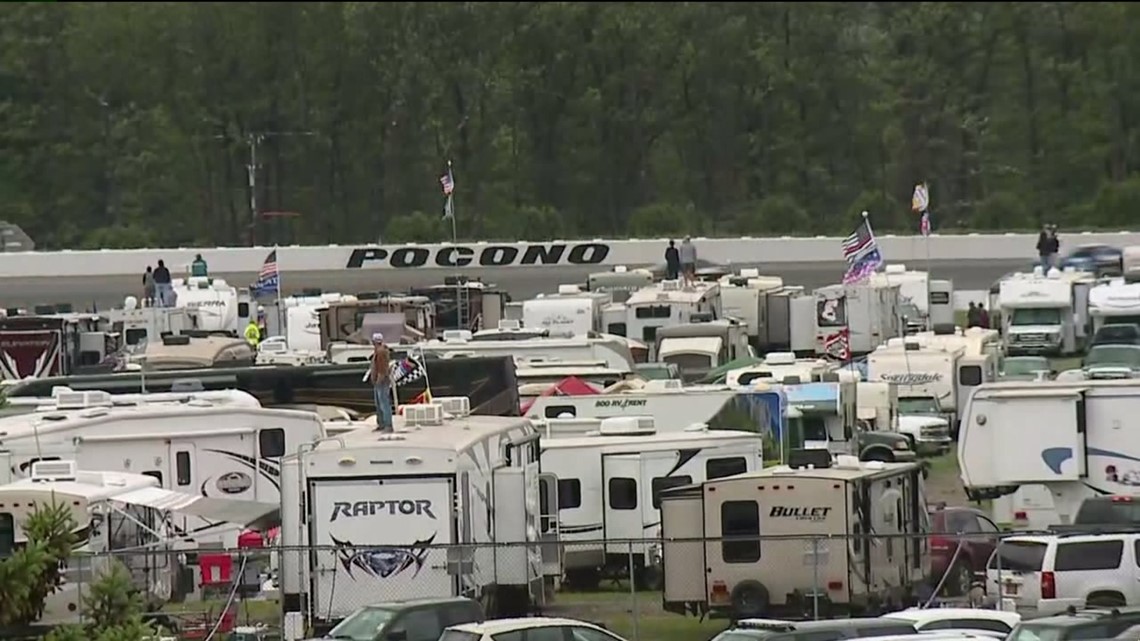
point(362, 625)
point(1035, 316)
point(921, 405)
point(1031, 632)
point(1113, 355)
point(1118, 334)
point(1024, 366)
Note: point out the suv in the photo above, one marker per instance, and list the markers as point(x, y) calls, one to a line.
point(1052, 573)
point(1092, 623)
point(416, 620)
point(974, 532)
point(823, 630)
point(1114, 510)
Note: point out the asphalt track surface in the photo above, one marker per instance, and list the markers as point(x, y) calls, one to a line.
point(105, 292)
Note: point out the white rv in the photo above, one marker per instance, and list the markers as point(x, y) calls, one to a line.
point(113, 511)
point(213, 304)
point(745, 297)
point(216, 450)
point(698, 348)
point(1117, 301)
point(877, 404)
point(448, 505)
point(457, 343)
point(835, 527)
point(1045, 314)
point(146, 324)
point(914, 293)
point(780, 365)
point(868, 313)
point(302, 318)
point(609, 485)
point(570, 312)
point(667, 303)
point(925, 376)
point(1072, 439)
point(619, 283)
point(63, 398)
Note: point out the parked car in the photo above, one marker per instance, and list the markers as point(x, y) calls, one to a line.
point(414, 620)
point(958, 619)
point(1024, 368)
point(1099, 259)
point(1117, 509)
point(1112, 356)
point(530, 629)
point(1117, 334)
point(822, 630)
point(965, 527)
point(1091, 623)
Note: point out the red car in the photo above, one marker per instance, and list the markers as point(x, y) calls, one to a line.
point(974, 532)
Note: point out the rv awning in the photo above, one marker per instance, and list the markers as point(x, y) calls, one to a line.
point(244, 513)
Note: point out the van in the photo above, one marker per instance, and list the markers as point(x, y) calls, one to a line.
point(1092, 623)
point(1051, 573)
point(414, 620)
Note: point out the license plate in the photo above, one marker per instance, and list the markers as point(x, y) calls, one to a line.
point(1011, 589)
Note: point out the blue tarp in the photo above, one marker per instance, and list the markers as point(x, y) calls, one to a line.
point(805, 393)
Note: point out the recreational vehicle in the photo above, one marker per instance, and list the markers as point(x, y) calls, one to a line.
point(828, 422)
point(619, 283)
point(780, 365)
point(1045, 313)
point(212, 449)
point(838, 536)
point(609, 484)
point(867, 314)
point(745, 297)
point(301, 316)
point(698, 348)
point(463, 303)
point(114, 511)
point(137, 325)
point(667, 303)
point(914, 293)
point(63, 398)
point(447, 505)
point(213, 304)
point(181, 352)
point(1117, 301)
point(613, 350)
point(1071, 438)
point(58, 345)
point(344, 321)
point(926, 377)
point(570, 312)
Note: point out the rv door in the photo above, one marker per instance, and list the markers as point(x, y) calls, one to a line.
point(621, 501)
point(181, 472)
point(548, 525)
point(514, 502)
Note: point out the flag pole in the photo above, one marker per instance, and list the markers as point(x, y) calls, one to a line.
point(451, 206)
point(427, 378)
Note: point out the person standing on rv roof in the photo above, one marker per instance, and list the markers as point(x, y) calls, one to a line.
point(983, 317)
point(672, 262)
point(198, 267)
point(973, 318)
point(688, 255)
point(148, 286)
point(162, 285)
point(381, 383)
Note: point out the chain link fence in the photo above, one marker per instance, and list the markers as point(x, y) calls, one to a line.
point(639, 589)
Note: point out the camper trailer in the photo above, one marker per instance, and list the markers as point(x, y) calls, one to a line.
point(58, 345)
point(925, 375)
point(698, 348)
point(914, 293)
point(745, 297)
point(346, 320)
point(298, 318)
point(717, 560)
point(610, 480)
point(570, 312)
point(877, 404)
point(620, 283)
point(1070, 438)
point(213, 449)
point(1045, 313)
point(1117, 301)
point(668, 303)
point(613, 350)
point(386, 515)
point(790, 322)
point(137, 325)
point(779, 365)
point(869, 314)
point(64, 398)
point(828, 422)
point(213, 304)
point(182, 352)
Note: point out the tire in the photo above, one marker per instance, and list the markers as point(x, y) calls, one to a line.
point(749, 600)
point(958, 580)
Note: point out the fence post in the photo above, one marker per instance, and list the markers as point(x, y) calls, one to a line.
point(633, 595)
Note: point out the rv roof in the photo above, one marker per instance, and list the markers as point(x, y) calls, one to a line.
point(658, 293)
point(646, 442)
point(453, 435)
point(87, 485)
point(833, 473)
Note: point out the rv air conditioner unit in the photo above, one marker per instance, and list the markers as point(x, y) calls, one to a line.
point(895, 269)
point(81, 400)
point(627, 425)
point(913, 346)
point(817, 458)
point(456, 335)
point(750, 272)
point(670, 285)
point(701, 317)
point(457, 406)
point(510, 324)
point(569, 289)
point(780, 358)
point(417, 415)
point(54, 471)
point(663, 385)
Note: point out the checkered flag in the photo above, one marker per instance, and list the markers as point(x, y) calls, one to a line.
point(406, 370)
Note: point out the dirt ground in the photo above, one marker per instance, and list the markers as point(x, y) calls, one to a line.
point(943, 484)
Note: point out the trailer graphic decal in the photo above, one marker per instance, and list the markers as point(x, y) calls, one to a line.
point(29, 354)
point(265, 468)
point(383, 562)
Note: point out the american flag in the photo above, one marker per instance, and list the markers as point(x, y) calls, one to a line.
point(838, 345)
point(861, 251)
point(268, 281)
point(448, 183)
point(924, 224)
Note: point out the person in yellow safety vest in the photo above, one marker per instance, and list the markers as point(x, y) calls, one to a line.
point(252, 333)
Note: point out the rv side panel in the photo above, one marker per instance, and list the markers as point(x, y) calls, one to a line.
point(682, 517)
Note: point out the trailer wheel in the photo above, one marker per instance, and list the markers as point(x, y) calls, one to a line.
point(749, 599)
point(489, 599)
point(647, 577)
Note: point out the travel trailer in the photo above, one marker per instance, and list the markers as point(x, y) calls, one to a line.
point(213, 449)
point(609, 482)
point(387, 514)
point(613, 350)
point(698, 348)
point(914, 293)
point(716, 561)
point(463, 303)
point(1071, 438)
point(301, 316)
point(779, 365)
point(619, 283)
point(213, 304)
point(926, 376)
point(791, 322)
point(42, 346)
point(1117, 301)
point(136, 325)
point(1045, 314)
point(828, 422)
point(869, 314)
point(181, 352)
point(745, 296)
point(63, 398)
point(114, 511)
point(877, 404)
point(346, 320)
point(570, 312)
point(667, 303)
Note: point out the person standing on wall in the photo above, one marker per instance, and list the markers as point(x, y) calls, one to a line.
point(672, 262)
point(983, 317)
point(688, 255)
point(148, 287)
point(162, 285)
point(198, 267)
point(1047, 246)
point(381, 383)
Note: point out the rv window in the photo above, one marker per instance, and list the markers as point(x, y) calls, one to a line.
point(649, 334)
point(653, 311)
point(970, 375)
point(509, 454)
point(243, 310)
point(717, 468)
point(662, 483)
point(623, 494)
point(182, 468)
point(1094, 555)
point(569, 494)
point(135, 335)
point(7, 534)
point(156, 474)
point(740, 519)
point(556, 411)
point(272, 442)
point(617, 329)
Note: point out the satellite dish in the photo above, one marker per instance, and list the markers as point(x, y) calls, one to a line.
point(130, 302)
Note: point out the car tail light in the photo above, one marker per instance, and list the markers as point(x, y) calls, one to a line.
point(1122, 499)
point(940, 543)
point(719, 593)
point(1048, 585)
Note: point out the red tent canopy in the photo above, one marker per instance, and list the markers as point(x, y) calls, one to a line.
point(569, 386)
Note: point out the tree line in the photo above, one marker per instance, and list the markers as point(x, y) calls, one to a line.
point(134, 124)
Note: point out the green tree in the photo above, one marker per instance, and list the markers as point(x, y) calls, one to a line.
point(112, 611)
point(32, 572)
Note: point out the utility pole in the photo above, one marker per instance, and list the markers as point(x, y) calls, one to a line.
point(253, 140)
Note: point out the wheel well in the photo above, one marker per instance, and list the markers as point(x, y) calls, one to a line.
point(1114, 596)
point(882, 450)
